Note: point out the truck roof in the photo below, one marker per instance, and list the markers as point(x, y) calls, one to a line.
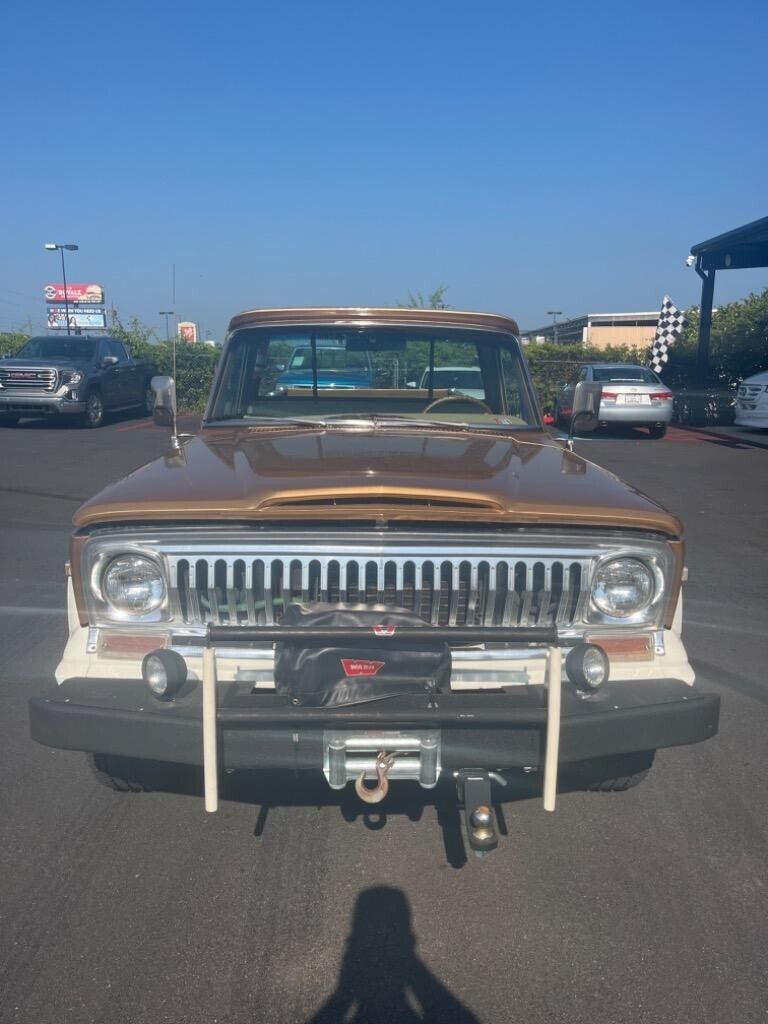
point(345, 316)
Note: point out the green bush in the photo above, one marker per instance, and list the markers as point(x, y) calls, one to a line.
point(738, 344)
point(195, 367)
point(195, 364)
point(11, 342)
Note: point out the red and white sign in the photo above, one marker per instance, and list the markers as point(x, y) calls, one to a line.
point(384, 630)
point(86, 293)
point(359, 667)
point(188, 331)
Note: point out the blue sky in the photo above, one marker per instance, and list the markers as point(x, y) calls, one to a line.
point(531, 157)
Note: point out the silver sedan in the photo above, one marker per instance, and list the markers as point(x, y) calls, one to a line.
point(633, 396)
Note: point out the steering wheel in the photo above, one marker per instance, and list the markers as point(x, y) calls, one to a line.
point(459, 398)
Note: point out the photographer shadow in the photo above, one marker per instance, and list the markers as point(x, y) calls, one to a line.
point(381, 978)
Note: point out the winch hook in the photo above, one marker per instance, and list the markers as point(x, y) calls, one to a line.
point(384, 762)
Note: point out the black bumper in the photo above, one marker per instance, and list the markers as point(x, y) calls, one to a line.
point(478, 730)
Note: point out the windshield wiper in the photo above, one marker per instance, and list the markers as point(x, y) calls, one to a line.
point(401, 418)
point(257, 421)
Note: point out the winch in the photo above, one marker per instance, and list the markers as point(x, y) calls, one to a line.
point(411, 754)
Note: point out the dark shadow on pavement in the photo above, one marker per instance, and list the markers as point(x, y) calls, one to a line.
point(271, 789)
point(382, 979)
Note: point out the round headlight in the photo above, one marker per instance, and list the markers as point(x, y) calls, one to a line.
point(132, 583)
point(623, 587)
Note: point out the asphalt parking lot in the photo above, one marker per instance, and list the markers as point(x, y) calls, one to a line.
point(645, 906)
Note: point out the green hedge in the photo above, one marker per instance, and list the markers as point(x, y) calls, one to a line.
point(195, 367)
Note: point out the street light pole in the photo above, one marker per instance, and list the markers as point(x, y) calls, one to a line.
point(52, 247)
point(554, 313)
point(66, 296)
point(166, 313)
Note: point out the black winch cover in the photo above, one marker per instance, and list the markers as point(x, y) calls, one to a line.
point(362, 670)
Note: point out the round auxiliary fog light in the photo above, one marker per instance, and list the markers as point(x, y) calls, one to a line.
point(164, 673)
point(587, 666)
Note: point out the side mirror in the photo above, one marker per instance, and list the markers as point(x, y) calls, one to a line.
point(164, 409)
point(280, 367)
point(410, 384)
point(108, 361)
point(585, 409)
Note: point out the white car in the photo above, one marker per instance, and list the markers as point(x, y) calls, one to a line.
point(752, 402)
point(633, 396)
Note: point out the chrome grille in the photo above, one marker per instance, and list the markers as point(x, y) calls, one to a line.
point(21, 378)
point(455, 583)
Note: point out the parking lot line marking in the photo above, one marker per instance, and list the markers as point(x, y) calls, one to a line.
point(11, 610)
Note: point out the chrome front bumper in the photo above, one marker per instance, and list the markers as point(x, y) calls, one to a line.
point(39, 404)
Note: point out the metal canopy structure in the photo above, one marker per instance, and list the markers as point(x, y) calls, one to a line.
point(742, 248)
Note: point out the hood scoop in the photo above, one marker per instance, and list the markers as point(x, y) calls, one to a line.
point(371, 499)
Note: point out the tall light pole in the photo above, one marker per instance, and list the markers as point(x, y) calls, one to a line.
point(554, 313)
point(52, 247)
point(166, 313)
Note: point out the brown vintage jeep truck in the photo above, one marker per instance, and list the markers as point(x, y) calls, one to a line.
point(350, 571)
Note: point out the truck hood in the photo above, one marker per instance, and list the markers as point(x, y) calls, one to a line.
point(45, 364)
point(386, 473)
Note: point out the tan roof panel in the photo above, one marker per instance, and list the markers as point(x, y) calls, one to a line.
point(365, 316)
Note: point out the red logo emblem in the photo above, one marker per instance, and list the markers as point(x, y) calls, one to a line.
point(384, 630)
point(360, 667)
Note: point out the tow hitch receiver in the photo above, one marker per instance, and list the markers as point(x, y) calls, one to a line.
point(474, 790)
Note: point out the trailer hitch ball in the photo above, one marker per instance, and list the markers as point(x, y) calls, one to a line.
point(481, 817)
point(481, 820)
point(384, 762)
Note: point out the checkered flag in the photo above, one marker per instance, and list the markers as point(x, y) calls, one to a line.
point(668, 330)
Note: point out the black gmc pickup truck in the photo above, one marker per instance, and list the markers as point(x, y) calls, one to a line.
point(82, 376)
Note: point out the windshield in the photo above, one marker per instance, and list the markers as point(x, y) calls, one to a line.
point(627, 374)
point(76, 349)
point(375, 372)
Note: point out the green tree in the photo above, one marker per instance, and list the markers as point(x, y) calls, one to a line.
point(435, 300)
point(738, 345)
point(11, 341)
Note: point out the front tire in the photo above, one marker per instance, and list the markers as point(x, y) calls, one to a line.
point(94, 410)
point(138, 775)
point(7, 419)
point(121, 774)
point(614, 774)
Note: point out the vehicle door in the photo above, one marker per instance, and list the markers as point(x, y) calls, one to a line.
point(106, 376)
point(120, 375)
point(129, 373)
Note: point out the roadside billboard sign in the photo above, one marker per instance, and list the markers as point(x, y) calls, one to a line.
point(92, 319)
point(188, 331)
point(89, 294)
